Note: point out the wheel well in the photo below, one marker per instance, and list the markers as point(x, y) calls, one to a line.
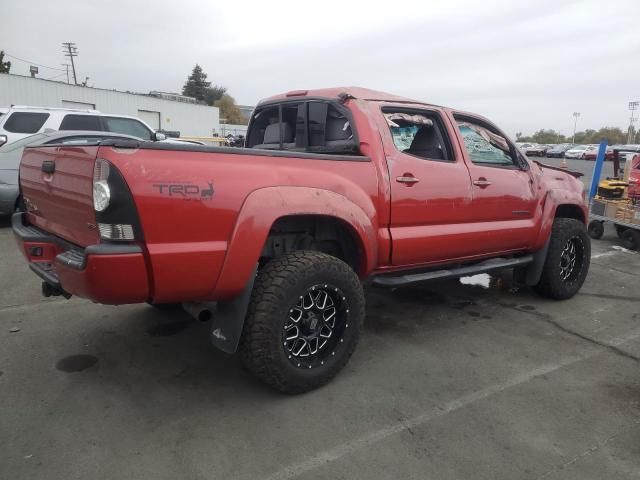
point(570, 211)
point(321, 233)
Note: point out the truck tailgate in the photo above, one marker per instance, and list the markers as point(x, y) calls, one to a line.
point(57, 186)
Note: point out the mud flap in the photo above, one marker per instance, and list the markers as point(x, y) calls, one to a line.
point(534, 271)
point(228, 319)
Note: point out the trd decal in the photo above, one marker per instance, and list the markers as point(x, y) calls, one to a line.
point(188, 191)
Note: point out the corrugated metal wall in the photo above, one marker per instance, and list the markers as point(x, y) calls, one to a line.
point(188, 119)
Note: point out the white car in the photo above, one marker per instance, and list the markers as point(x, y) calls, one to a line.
point(19, 122)
point(577, 152)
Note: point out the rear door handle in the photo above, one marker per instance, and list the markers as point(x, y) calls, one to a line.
point(482, 182)
point(410, 179)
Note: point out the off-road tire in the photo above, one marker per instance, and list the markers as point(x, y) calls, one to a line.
point(595, 229)
point(551, 283)
point(631, 239)
point(278, 286)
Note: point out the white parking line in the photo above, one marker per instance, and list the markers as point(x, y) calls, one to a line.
point(366, 440)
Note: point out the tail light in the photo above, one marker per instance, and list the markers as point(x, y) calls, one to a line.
point(113, 203)
point(101, 191)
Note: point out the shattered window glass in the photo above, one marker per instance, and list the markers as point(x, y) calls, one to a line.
point(484, 146)
point(404, 127)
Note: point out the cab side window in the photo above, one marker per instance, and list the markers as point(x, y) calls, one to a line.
point(485, 146)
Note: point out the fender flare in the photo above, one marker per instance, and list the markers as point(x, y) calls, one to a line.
point(554, 199)
point(263, 207)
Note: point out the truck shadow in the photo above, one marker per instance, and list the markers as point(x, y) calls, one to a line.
point(148, 352)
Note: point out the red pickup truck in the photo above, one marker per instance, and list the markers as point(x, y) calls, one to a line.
point(272, 242)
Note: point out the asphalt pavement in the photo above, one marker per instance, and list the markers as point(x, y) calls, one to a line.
point(450, 381)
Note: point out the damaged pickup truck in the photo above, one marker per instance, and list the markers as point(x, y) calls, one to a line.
point(272, 242)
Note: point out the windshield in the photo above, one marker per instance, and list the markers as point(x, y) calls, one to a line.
point(23, 142)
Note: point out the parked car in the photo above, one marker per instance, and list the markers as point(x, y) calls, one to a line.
point(330, 190)
point(577, 151)
point(557, 151)
point(21, 121)
point(536, 150)
point(11, 153)
point(591, 153)
point(628, 151)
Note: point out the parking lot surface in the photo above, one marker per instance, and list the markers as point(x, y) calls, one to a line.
point(451, 380)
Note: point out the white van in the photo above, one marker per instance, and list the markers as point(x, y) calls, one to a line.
point(18, 122)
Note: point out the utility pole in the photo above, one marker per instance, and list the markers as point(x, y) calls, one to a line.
point(575, 124)
point(66, 66)
point(633, 106)
point(71, 51)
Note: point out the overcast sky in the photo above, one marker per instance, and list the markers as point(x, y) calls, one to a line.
point(525, 65)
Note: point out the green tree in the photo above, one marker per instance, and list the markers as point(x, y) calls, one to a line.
point(197, 84)
point(229, 111)
point(613, 135)
point(213, 94)
point(4, 66)
point(547, 136)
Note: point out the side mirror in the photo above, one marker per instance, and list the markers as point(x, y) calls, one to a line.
point(3, 140)
point(158, 137)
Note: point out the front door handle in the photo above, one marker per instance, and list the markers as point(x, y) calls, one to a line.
point(406, 178)
point(482, 182)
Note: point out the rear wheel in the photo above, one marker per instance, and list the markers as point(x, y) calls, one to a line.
point(631, 239)
point(567, 262)
point(304, 321)
point(596, 229)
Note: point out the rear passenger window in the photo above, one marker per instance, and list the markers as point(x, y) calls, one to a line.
point(25, 122)
point(419, 133)
point(81, 122)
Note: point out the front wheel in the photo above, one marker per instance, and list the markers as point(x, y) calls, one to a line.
point(303, 322)
point(567, 262)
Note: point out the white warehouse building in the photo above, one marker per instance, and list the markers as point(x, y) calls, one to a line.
point(189, 119)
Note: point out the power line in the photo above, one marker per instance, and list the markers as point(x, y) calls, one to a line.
point(32, 63)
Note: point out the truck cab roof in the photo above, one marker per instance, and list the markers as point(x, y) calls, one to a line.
point(344, 92)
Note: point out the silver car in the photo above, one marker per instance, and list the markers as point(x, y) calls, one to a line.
point(11, 153)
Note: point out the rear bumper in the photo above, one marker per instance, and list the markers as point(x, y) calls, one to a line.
point(105, 273)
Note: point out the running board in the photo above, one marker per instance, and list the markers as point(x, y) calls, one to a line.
point(462, 271)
